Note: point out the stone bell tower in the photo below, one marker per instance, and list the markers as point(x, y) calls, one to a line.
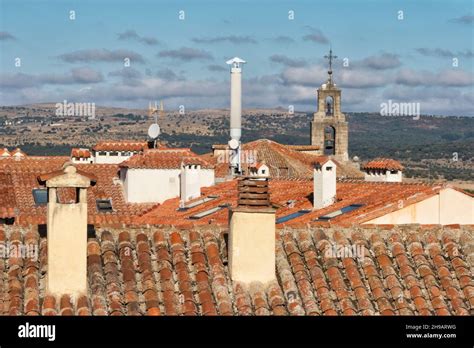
point(329, 129)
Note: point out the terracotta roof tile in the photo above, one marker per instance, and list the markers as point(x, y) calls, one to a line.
point(80, 153)
point(284, 161)
point(18, 178)
point(164, 159)
point(182, 272)
point(120, 145)
point(290, 196)
point(383, 163)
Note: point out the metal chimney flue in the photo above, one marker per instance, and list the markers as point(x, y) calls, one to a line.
point(235, 113)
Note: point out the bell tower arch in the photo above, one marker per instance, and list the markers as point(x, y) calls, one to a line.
point(329, 128)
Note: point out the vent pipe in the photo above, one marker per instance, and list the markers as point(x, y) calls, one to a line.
point(235, 113)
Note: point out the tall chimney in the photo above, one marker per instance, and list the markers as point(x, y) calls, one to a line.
point(324, 183)
point(67, 232)
point(235, 112)
point(252, 233)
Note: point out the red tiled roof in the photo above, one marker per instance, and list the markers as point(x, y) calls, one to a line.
point(401, 271)
point(257, 165)
point(282, 160)
point(164, 159)
point(19, 177)
point(7, 196)
point(304, 147)
point(80, 153)
point(293, 147)
point(383, 163)
point(47, 176)
point(122, 145)
point(321, 160)
point(290, 196)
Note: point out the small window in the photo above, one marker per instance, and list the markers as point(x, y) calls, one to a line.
point(40, 196)
point(104, 205)
point(263, 171)
point(393, 171)
point(113, 153)
point(329, 169)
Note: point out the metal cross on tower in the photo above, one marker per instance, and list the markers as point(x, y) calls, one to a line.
point(330, 57)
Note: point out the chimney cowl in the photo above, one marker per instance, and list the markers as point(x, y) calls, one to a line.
point(253, 193)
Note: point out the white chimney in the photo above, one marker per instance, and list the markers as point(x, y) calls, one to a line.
point(190, 181)
point(324, 183)
point(235, 112)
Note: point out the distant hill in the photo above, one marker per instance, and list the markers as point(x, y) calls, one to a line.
point(433, 146)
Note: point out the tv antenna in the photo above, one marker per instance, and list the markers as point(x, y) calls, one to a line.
point(154, 129)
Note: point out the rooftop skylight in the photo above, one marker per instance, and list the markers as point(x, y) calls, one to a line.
point(208, 212)
point(292, 216)
point(341, 211)
point(198, 202)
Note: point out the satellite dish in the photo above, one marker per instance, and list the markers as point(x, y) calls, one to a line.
point(154, 131)
point(233, 144)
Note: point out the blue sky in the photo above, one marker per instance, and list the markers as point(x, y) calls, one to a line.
point(183, 61)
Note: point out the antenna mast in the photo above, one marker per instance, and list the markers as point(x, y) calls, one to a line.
point(152, 110)
point(154, 129)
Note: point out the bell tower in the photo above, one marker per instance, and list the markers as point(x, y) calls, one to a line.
point(329, 128)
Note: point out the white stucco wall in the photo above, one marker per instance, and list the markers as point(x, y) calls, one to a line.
point(81, 160)
point(383, 176)
point(158, 185)
point(324, 185)
point(206, 177)
point(456, 207)
point(151, 185)
point(397, 177)
point(447, 207)
point(107, 159)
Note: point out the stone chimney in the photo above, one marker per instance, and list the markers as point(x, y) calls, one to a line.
point(67, 231)
point(252, 233)
point(324, 183)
